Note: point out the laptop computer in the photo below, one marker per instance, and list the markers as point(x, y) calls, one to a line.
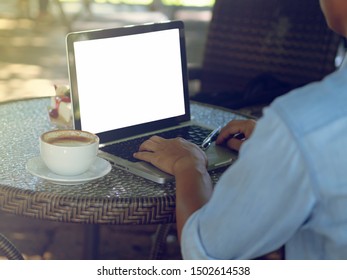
point(130, 82)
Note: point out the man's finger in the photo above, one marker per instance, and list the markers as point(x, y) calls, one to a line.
point(234, 143)
point(145, 156)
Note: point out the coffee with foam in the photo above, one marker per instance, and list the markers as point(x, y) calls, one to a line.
point(69, 152)
point(71, 141)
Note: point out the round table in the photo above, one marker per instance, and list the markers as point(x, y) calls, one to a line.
point(117, 198)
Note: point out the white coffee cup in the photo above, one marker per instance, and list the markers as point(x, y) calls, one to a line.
point(68, 152)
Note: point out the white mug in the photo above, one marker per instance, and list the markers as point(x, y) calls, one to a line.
point(69, 152)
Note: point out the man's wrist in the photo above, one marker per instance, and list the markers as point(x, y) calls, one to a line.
point(186, 168)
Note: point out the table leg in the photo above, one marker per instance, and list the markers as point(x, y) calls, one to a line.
point(159, 242)
point(91, 242)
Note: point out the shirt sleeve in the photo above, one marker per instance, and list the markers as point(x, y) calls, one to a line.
point(259, 202)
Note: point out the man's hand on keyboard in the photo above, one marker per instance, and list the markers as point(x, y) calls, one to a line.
point(171, 155)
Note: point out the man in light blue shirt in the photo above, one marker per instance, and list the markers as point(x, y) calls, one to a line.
point(288, 187)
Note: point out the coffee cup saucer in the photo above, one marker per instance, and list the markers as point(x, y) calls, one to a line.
point(99, 169)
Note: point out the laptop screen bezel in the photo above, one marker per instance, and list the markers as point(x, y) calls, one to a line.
point(117, 134)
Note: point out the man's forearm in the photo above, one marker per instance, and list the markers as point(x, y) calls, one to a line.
point(193, 190)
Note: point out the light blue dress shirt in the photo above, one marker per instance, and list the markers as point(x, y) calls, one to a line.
point(288, 187)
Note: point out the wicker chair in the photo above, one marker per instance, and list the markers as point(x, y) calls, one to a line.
point(8, 249)
point(259, 49)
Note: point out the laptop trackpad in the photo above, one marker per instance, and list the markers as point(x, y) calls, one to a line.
point(219, 156)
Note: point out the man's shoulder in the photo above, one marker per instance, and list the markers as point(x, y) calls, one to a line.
point(316, 104)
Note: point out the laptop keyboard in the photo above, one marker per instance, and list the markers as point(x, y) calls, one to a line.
point(195, 134)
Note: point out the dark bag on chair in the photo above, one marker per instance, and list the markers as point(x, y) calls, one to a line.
point(261, 90)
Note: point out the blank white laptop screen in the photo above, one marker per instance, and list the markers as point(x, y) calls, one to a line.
point(129, 80)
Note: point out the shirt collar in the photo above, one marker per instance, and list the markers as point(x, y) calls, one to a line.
point(344, 62)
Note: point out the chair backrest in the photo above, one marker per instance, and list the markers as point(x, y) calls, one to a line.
point(288, 39)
